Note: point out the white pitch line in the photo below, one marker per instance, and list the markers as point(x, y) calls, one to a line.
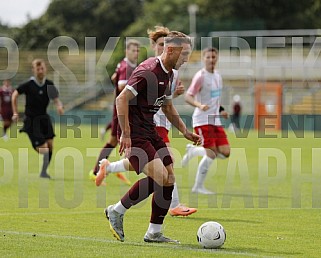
point(167, 246)
point(26, 213)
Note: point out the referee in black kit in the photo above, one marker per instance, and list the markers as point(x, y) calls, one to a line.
point(37, 123)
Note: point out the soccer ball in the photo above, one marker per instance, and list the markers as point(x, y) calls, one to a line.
point(211, 235)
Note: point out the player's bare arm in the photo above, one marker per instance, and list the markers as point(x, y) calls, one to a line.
point(224, 114)
point(14, 101)
point(59, 106)
point(122, 109)
point(192, 101)
point(121, 86)
point(179, 89)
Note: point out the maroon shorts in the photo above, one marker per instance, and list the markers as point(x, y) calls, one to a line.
point(162, 132)
point(212, 135)
point(145, 150)
point(6, 114)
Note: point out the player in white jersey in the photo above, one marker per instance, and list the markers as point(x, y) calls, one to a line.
point(162, 124)
point(204, 94)
point(162, 127)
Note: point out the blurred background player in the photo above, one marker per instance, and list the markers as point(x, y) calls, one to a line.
point(122, 73)
point(198, 151)
point(6, 107)
point(204, 94)
point(235, 117)
point(37, 123)
point(104, 130)
point(163, 126)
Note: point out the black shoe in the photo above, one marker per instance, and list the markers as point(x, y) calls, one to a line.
point(44, 175)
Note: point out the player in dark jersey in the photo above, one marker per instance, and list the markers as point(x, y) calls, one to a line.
point(123, 71)
point(163, 126)
point(6, 107)
point(147, 90)
point(37, 124)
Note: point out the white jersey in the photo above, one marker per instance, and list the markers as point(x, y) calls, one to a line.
point(206, 88)
point(160, 119)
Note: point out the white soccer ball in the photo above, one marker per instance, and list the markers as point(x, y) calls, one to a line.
point(211, 235)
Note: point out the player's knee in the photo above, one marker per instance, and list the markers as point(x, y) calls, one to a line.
point(43, 149)
point(170, 180)
point(225, 153)
point(167, 179)
point(170, 176)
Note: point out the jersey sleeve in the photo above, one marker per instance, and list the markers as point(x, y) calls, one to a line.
point(23, 88)
point(52, 91)
point(137, 81)
point(219, 79)
point(196, 84)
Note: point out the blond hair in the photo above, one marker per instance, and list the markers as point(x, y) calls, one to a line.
point(158, 32)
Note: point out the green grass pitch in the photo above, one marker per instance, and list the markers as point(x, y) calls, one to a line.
point(268, 200)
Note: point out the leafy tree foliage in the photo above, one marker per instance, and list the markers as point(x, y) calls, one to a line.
point(79, 19)
point(102, 19)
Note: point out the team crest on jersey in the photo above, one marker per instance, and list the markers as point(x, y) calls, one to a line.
point(159, 101)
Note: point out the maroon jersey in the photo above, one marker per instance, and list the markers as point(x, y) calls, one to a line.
point(123, 71)
point(150, 83)
point(5, 99)
point(237, 109)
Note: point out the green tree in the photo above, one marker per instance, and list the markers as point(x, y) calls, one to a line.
point(277, 14)
point(79, 19)
point(94, 18)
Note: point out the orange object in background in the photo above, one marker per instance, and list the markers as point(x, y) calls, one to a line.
point(268, 106)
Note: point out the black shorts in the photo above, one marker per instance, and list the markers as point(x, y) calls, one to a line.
point(39, 129)
point(147, 149)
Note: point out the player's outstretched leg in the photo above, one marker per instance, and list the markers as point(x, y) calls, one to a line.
point(191, 152)
point(182, 210)
point(123, 178)
point(178, 209)
point(102, 173)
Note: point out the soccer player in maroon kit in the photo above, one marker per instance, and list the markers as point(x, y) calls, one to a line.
point(163, 126)
point(6, 108)
point(123, 71)
point(147, 90)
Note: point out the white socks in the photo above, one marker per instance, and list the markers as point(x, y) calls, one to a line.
point(175, 197)
point(117, 166)
point(154, 228)
point(221, 156)
point(119, 207)
point(191, 152)
point(197, 151)
point(203, 167)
